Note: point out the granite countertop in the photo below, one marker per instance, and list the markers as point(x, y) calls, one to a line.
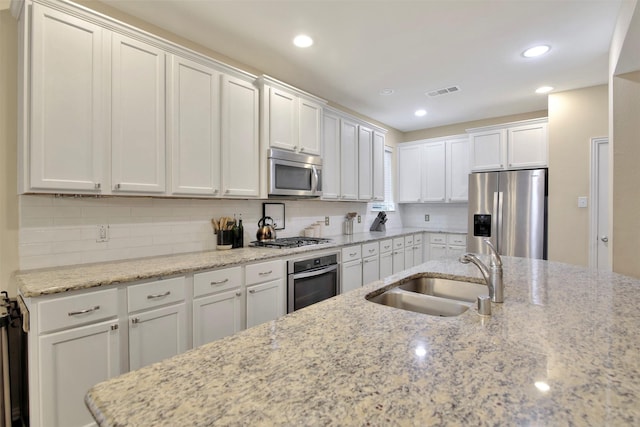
point(347, 361)
point(55, 280)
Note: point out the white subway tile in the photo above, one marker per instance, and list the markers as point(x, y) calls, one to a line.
point(35, 235)
point(33, 249)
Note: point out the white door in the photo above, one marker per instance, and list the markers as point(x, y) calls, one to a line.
point(601, 257)
point(437, 252)
point(398, 260)
point(351, 277)
point(265, 302)
point(386, 264)
point(156, 335)
point(348, 160)
point(216, 316)
point(370, 269)
point(487, 150)
point(408, 256)
point(378, 166)
point(433, 172)
point(365, 162)
point(240, 151)
point(309, 122)
point(71, 362)
point(331, 157)
point(282, 119)
point(409, 174)
point(193, 127)
point(67, 129)
point(527, 146)
point(458, 170)
point(138, 116)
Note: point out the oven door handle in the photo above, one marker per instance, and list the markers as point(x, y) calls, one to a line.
point(317, 272)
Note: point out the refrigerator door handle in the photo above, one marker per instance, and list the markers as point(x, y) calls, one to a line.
point(497, 220)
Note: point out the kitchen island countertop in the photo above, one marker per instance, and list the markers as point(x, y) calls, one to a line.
point(347, 361)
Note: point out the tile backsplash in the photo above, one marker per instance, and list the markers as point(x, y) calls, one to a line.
point(57, 231)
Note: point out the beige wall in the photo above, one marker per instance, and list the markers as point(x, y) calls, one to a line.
point(460, 128)
point(8, 156)
point(574, 118)
point(626, 174)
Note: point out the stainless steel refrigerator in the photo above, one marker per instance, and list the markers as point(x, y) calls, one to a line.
point(510, 208)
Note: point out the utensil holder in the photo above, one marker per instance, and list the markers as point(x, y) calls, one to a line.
point(225, 239)
point(347, 227)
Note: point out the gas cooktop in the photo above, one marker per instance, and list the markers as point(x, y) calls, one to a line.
point(290, 242)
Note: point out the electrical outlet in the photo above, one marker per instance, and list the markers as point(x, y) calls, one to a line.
point(103, 233)
point(326, 220)
point(426, 218)
point(359, 219)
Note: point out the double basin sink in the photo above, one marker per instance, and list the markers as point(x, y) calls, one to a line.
point(436, 296)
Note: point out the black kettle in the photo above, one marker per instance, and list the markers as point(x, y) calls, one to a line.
point(266, 230)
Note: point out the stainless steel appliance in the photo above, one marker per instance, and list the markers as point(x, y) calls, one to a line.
point(289, 242)
point(311, 280)
point(294, 175)
point(509, 208)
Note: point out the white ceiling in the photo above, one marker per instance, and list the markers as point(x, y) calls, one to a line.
point(409, 46)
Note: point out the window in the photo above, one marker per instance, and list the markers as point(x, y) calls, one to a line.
point(388, 204)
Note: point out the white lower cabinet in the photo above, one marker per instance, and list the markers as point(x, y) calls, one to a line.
point(386, 258)
point(351, 268)
point(398, 254)
point(370, 262)
point(418, 249)
point(266, 295)
point(442, 245)
point(71, 362)
point(157, 321)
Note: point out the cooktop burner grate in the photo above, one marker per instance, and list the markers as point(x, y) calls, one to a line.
point(289, 242)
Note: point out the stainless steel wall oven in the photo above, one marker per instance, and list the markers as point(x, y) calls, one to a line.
point(311, 280)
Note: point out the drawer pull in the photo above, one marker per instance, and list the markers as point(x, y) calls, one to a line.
point(353, 253)
point(252, 291)
point(371, 251)
point(114, 327)
point(265, 273)
point(219, 282)
point(154, 296)
point(85, 311)
point(238, 294)
point(135, 320)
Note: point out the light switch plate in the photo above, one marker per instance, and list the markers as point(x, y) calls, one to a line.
point(582, 202)
point(426, 217)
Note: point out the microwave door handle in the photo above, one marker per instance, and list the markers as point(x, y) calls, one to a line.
point(314, 179)
point(318, 272)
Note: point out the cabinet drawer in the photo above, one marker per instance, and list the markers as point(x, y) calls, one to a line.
point(386, 245)
point(417, 239)
point(154, 294)
point(216, 281)
point(76, 310)
point(351, 253)
point(408, 240)
point(263, 272)
point(438, 238)
point(457, 239)
point(370, 249)
point(398, 243)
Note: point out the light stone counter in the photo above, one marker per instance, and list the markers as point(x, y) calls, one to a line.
point(51, 281)
point(347, 361)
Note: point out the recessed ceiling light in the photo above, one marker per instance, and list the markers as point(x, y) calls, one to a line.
point(544, 89)
point(536, 51)
point(386, 91)
point(420, 113)
point(302, 40)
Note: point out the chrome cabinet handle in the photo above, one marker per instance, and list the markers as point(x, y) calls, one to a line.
point(371, 251)
point(252, 291)
point(154, 296)
point(265, 273)
point(97, 185)
point(238, 294)
point(114, 327)
point(353, 253)
point(605, 239)
point(219, 282)
point(85, 311)
point(135, 320)
point(117, 186)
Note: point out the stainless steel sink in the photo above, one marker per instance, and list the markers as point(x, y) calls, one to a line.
point(446, 288)
point(432, 295)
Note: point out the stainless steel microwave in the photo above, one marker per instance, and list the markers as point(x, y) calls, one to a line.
point(294, 175)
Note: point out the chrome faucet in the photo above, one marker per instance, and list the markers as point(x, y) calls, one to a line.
point(492, 274)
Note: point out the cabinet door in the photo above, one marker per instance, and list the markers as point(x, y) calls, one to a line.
point(433, 172)
point(67, 125)
point(488, 150)
point(455, 252)
point(240, 151)
point(351, 277)
point(386, 264)
point(156, 335)
point(408, 257)
point(348, 160)
point(437, 251)
point(193, 127)
point(282, 119)
point(365, 163)
point(71, 362)
point(216, 316)
point(398, 260)
point(265, 302)
point(378, 166)
point(409, 174)
point(138, 116)
point(331, 157)
point(527, 146)
point(458, 170)
point(309, 122)
point(370, 269)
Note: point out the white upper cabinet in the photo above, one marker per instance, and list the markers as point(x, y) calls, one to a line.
point(240, 139)
point(458, 170)
point(193, 127)
point(331, 157)
point(292, 119)
point(510, 146)
point(409, 173)
point(378, 166)
point(138, 112)
point(348, 160)
point(67, 131)
point(365, 163)
point(433, 172)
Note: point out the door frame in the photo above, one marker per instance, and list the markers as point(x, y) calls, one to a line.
point(595, 201)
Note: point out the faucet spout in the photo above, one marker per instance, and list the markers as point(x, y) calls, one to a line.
point(486, 273)
point(492, 275)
